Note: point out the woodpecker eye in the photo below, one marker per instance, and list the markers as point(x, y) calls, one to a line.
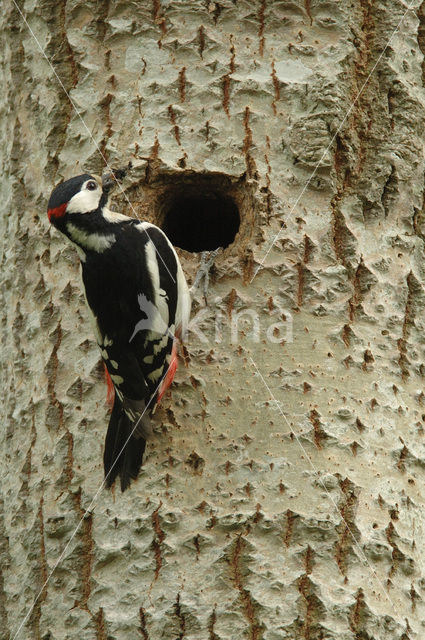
point(91, 186)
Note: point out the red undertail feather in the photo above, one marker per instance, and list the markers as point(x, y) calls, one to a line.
point(110, 389)
point(169, 376)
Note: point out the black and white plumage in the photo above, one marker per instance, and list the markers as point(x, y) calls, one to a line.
point(139, 301)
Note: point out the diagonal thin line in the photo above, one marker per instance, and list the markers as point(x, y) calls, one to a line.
point(333, 139)
point(320, 479)
point(89, 132)
point(85, 513)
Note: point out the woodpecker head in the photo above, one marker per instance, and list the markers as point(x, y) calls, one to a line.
point(80, 195)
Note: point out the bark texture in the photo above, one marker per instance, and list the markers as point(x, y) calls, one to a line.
point(260, 519)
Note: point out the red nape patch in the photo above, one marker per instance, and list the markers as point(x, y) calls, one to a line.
point(169, 376)
point(57, 212)
point(110, 389)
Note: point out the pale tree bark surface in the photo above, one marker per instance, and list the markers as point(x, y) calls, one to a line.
point(282, 495)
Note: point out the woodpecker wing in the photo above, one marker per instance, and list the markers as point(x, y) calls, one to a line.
point(139, 299)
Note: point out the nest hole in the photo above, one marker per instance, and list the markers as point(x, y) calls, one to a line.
point(198, 219)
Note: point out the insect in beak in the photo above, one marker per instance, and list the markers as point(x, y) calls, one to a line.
point(113, 177)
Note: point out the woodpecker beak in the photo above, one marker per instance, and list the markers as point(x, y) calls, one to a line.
point(113, 177)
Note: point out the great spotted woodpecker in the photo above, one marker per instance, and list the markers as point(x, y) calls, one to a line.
point(139, 302)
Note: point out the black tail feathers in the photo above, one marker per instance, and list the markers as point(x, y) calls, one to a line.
point(123, 452)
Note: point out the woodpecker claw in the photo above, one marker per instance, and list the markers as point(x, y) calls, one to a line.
point(207, 261)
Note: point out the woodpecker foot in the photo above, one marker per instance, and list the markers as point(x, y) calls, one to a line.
point(207, 261)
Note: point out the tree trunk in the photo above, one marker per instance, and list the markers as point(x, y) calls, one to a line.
point(282, 494)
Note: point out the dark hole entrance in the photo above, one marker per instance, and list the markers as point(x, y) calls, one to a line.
point(200, 222)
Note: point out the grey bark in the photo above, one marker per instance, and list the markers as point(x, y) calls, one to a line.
point(282, 495)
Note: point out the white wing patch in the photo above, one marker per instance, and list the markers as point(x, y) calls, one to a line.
point(184, 301)
point(160, 297)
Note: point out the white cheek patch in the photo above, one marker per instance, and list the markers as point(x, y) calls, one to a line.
point(84, 201)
